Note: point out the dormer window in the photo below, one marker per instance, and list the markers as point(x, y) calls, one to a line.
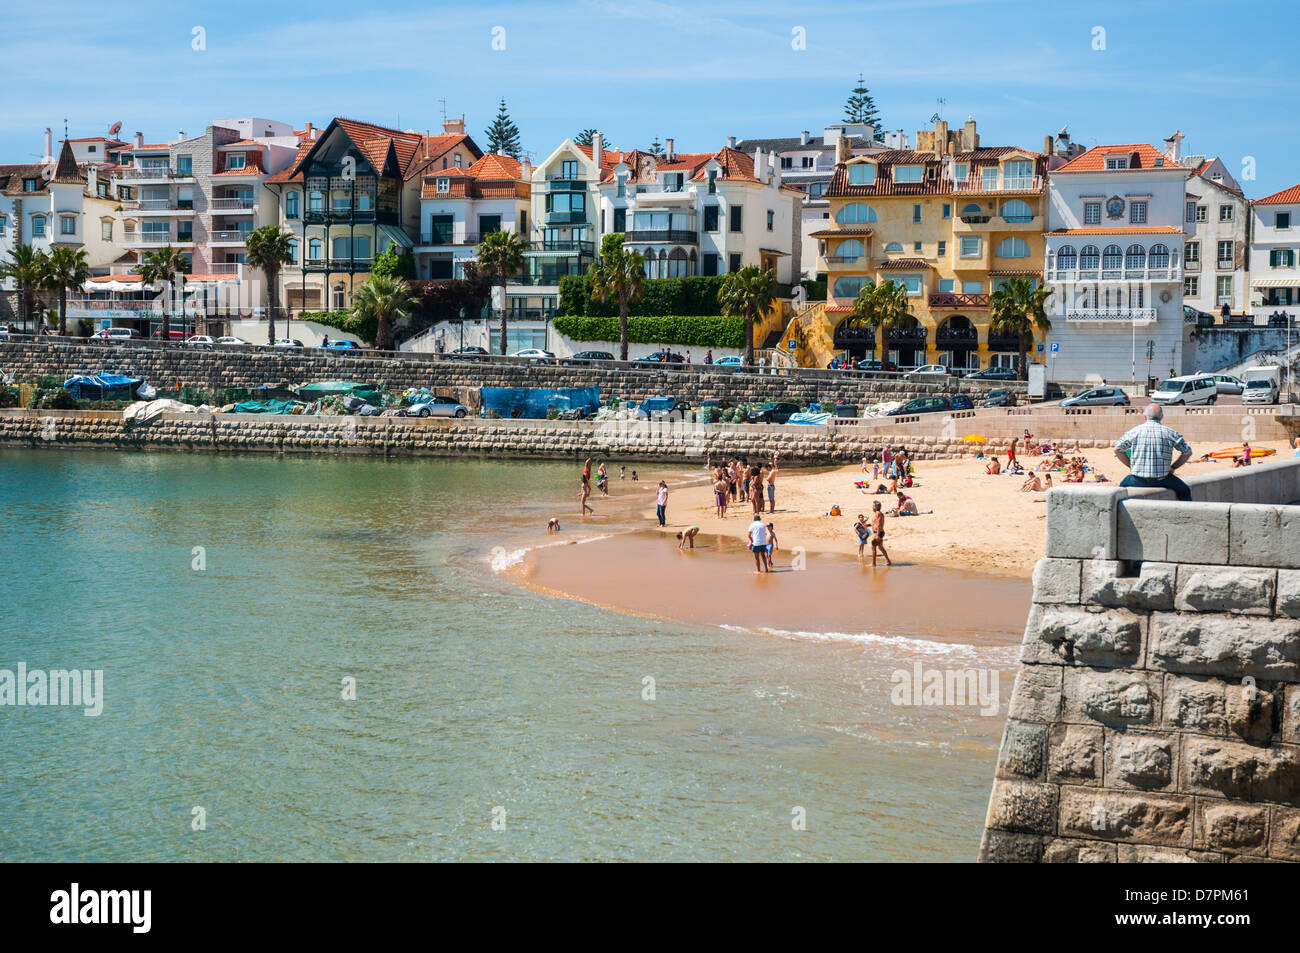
point(444, 184)
point(1116, 162)
point(29, 185)
point(713, 181)
point(908, 173)
point(864, 173)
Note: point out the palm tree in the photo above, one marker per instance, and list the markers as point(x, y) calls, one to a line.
point(502, 254)
point(618, 274)
point(883, 306)
point(1017, 308)
point(65, 268)
point(270, 249)
point(747, 294)
point(160, 267)
point(26, 266)
point(384, 299)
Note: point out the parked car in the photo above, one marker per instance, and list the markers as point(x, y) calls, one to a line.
point(173, 334)
point(872, 364)
point(117, 334)
point(1001, 397)
point(729, 360)
point(1260, 391)
point(1189, 390)
point(231, 341)
point(962, 402)
point(922, 405)
point(199, 340)
point(662, 408)
point(469, 349)
point(1227, 384)
point(532, 352)
point(993, 374)
point(287, 343)
point(1098, 397)
point(341, 344)
point(661, 357)
point(438, 407)
point(773, 412)
point(593, 356)
point(927, 370)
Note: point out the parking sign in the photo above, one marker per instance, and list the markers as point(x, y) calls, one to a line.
point(1055, 347)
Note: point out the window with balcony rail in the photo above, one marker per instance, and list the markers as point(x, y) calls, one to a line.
point(1112, 257)
point(1016, 211)
point(1067, 259)
point(1135, 259)
point(1158, 257)
point(1089, 257)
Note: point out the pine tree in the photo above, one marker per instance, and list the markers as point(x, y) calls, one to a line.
point(503, 134)
point(586, 137)
point(861, 107)
point(656, 147)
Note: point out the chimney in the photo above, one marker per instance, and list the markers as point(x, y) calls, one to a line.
point(1174, 147)
point(598, 151)
point(180, 136)
point(49, 145)
point(526, 169)
point(139, 139)
point(670, 153)
point(1047, 145)
point(731, 142)
point(307, 130)
point(940, 138)
point(841, 150)
point(760, 166)
point(805, 137)
point(454, 127)
point(970, 139)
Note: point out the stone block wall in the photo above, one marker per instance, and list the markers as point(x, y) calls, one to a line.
point(1156, 713)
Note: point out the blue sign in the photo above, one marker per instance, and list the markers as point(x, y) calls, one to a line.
point(106, 323)
point(1040, 347)
point(1055, 347)
point(794, 344)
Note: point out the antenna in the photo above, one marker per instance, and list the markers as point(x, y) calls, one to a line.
point(65, 126)
point(443, 101)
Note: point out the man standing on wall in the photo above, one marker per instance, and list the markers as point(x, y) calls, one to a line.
point(1147, 450)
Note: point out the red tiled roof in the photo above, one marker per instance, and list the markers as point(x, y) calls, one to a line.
point(252, 166)
point(1120, 230)
point(932, 182)
point(904, 264)
point(1094, 160)
point(495, 166)
point(413, 152)
point(1289, 196)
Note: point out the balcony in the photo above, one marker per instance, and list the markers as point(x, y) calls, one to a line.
point(1226, 264)
point(1009, 183)
point(1190, 265)
point(962, 302)
point(566, 218)
point(906, 337)
point(156, 239)
point(159, 207)
point(843, 259)
point(1111, 315)
point(521, 314)
point(562, 247)
point(237, 236)
point(1108, 273)
point(545, 279)
point(566, 184)
point(347, 216)
point(232, 205)
point(330, 265)
point(672, 236)
point(448, 238)
point(947, 337)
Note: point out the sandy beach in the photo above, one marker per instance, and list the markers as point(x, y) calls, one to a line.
point(980, 523)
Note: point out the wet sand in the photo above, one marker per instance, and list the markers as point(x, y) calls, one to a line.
point(642, 572)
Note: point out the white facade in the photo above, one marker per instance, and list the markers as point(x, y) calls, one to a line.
point(458, 207)
point(1274, 252)
point(1114, 262)
point(1214, 258)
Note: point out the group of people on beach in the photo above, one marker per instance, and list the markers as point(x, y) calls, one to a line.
point(737, 481)
point(1052, 458)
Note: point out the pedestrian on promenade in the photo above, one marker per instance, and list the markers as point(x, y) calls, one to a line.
point(1148, 451)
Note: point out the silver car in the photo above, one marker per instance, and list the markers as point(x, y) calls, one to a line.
point(1098, 397)
point(1227, 384)
point(438, 407)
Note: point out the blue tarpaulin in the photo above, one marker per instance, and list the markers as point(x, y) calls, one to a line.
point(101, 386)
point(534, 402)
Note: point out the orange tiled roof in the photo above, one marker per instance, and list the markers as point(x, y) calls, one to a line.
point(1094, 160)
point(495, 166)
point(413, 151)
point(933, 182)
point(1119, 230)
point(904, 264)
point(252, 166)
point(1289, 196)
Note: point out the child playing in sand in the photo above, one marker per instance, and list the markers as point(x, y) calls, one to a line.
point(622, 473)
point(633, 476)
point(687, 536)
point(553, 526)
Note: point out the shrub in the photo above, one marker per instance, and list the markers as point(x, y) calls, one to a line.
point(364, 328)
point(684, 330)
point(694, 296)
point(816, 288)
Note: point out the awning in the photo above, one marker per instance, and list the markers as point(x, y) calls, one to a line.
point(1275, 282)
point(398, 236)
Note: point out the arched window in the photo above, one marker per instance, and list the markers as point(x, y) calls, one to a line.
point(972, 208)
point(855, 213)
point(1136, 258)
point(1017, 211)
point(1067, 259)
point(1159, 257)
point(850, 250)
point(1089, 257)
point(314, 249)
point(1112, 257)
point(893, 248)
point(849, 286)
point(677, 262)
point(1012, 248)
point(293, 251)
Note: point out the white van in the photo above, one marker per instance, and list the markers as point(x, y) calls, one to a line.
point(1187, 391)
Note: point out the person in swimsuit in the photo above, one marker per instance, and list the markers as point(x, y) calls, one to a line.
point(586, 488)
point(720, 486)
point(1011, 452)
point(994, 468)
point(771, 483)
point(687, 536)
point(771, 544)
point(602, 479)
point(878, 534)
point(756, 489)
point(553, 526)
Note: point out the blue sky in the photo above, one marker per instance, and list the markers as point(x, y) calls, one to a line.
point(695, 71)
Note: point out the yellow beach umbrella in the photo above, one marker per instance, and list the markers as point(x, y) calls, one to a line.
point(973, 438)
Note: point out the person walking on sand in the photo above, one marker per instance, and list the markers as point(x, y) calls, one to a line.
point(622, 473)
point(771, 545)
point(602, 479)
point(687, 536)
point(661, 502)
point(878, 534)
point(1011, 452)
point(771, 482)
point(756, 489)
point(758, 544)
point(1148, 451)
point(586, 488)
point(720, 485)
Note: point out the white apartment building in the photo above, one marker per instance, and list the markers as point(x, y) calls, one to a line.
point(1215, 218)
point(459, 206)
point(1274, 249)
point(807, 162)
point(1114, 262)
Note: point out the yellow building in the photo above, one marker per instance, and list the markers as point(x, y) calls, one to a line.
point(951, 220)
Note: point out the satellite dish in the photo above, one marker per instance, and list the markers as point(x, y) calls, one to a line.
point(114, 129)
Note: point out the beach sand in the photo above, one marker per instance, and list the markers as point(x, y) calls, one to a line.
point(980, 523)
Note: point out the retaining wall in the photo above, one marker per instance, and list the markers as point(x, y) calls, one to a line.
point(1156, 713)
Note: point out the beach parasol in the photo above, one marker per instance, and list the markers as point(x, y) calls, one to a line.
point(973, 438)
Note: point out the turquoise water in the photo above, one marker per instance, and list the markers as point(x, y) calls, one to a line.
point(222, 685)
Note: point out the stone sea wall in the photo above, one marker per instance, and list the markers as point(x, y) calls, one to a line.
point(1156, 713)
point(468, 437)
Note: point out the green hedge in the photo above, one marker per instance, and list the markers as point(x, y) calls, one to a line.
point(344, 321)
point(664, 297)
point(816, 288)
point(686, 330)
